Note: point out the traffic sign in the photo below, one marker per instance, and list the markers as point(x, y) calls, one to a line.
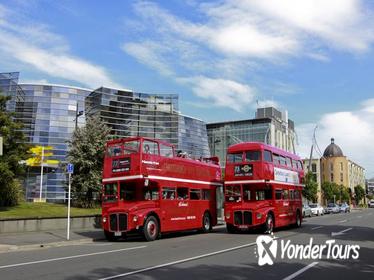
point(70, 168)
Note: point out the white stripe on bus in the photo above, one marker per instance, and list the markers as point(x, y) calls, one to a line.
point(160, 178)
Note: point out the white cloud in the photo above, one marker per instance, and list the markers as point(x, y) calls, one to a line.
point(223, 93)
point(353, 132)
point(47, 52)
point(232, 39)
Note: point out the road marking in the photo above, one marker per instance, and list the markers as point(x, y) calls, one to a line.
point(316, 227)
point(292, 276)
point(370, 214)
point(343, 221)
point(71, 257)
point(340, 232)
point(359, 217)
point(179, 261)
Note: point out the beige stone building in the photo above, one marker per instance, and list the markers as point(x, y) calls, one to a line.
point(336, 168)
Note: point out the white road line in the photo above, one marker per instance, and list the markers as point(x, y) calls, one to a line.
point(178, 262)
point(316, 227)
point(359, 217)
point(71, 257)
point(343, 221)
point(292, 276)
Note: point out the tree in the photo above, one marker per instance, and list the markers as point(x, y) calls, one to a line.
point(311, 187)
point(344, 194)
point(330, 191)
point(86, 152)
point(14, 151)
point(359, 193)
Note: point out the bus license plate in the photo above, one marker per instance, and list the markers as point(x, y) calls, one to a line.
point(243, 226)
point(117, 233)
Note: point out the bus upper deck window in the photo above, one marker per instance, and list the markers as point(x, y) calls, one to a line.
point(267, 156)
point(113, 151)
point(252, 156)
point(131, 147)
point(235, 157)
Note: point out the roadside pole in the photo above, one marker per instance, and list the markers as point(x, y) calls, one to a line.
point(70, 170)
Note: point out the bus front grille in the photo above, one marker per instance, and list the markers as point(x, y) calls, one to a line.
point(113, 222)
point(122, 222)
point(247, 218)
point(238, 218)
point(118, 222)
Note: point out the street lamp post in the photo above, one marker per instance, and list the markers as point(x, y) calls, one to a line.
point(77, 115)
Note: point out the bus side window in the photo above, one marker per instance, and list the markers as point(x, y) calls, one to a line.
point(267, 156)
point(275, 159)
point(278, 194)
point(285, 194)
point(182, 193)
point(150, 147)
point(288, 161)
point(294, 164)
point(300, 165)
point(297, 194)
point(168, 193)
point(292, 196)
point(195, 194)
point(206, 194)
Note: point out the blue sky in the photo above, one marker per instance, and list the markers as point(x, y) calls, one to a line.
point(312, 57)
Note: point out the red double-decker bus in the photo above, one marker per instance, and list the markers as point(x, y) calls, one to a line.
point(262, 187)
point(149, 189)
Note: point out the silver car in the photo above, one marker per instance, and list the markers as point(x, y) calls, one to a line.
point(332, 208)
point(307, 212)
point(344, 207)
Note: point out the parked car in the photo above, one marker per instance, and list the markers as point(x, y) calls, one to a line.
point(316, 209)
point(332, 208)
point(371, 203)
point(344, 207)
point(307, 212)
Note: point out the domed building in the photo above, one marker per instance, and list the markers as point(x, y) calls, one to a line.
point(337, 168)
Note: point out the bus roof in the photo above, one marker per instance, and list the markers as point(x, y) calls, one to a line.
point(245, 146)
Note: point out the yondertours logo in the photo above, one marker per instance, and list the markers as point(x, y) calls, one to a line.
point(267, 249)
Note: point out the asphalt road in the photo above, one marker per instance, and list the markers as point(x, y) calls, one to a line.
point(217, 255)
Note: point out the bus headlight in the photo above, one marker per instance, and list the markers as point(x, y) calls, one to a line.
point(258, 216)
point(135, 219)
point(228, 215)
point(104, 219)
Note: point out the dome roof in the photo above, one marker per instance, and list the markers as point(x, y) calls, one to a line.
point(333, 150)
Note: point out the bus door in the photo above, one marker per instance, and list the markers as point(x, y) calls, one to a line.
point(184, 208)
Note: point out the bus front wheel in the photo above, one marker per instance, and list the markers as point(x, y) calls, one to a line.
point(151, 228)
point(207, 223)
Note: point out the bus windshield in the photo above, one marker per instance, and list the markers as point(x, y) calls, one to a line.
point(125, 148)
point(110, 192)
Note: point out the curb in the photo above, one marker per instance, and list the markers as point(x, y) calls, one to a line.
point(4, 248)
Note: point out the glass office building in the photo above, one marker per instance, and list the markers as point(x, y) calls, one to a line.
point(269, 126)
point(192, 135)
point(130, 113)
point(48, 115)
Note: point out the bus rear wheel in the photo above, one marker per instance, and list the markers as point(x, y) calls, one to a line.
point(269, 224)
point(207, 223)
point(298, 219)
point(151, 228)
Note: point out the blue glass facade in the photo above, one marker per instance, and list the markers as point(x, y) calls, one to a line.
point(48, 114)
point(192, 137)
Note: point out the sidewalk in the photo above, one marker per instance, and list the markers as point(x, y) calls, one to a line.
point(29, 240)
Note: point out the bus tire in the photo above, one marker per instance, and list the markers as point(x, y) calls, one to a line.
point(151, 228)
point(230, 228)
point(110, 236)
point(269, 223)
point(207, 223)
point(298, 219)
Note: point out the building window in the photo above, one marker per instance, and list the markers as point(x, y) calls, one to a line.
point(314, 167)
point(341, 177)
point(331, 167)
point(341, 166)
point(332, 177)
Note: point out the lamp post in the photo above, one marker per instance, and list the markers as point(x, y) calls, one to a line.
point(77, 115)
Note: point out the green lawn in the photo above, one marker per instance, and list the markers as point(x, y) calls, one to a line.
point(42, 210)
